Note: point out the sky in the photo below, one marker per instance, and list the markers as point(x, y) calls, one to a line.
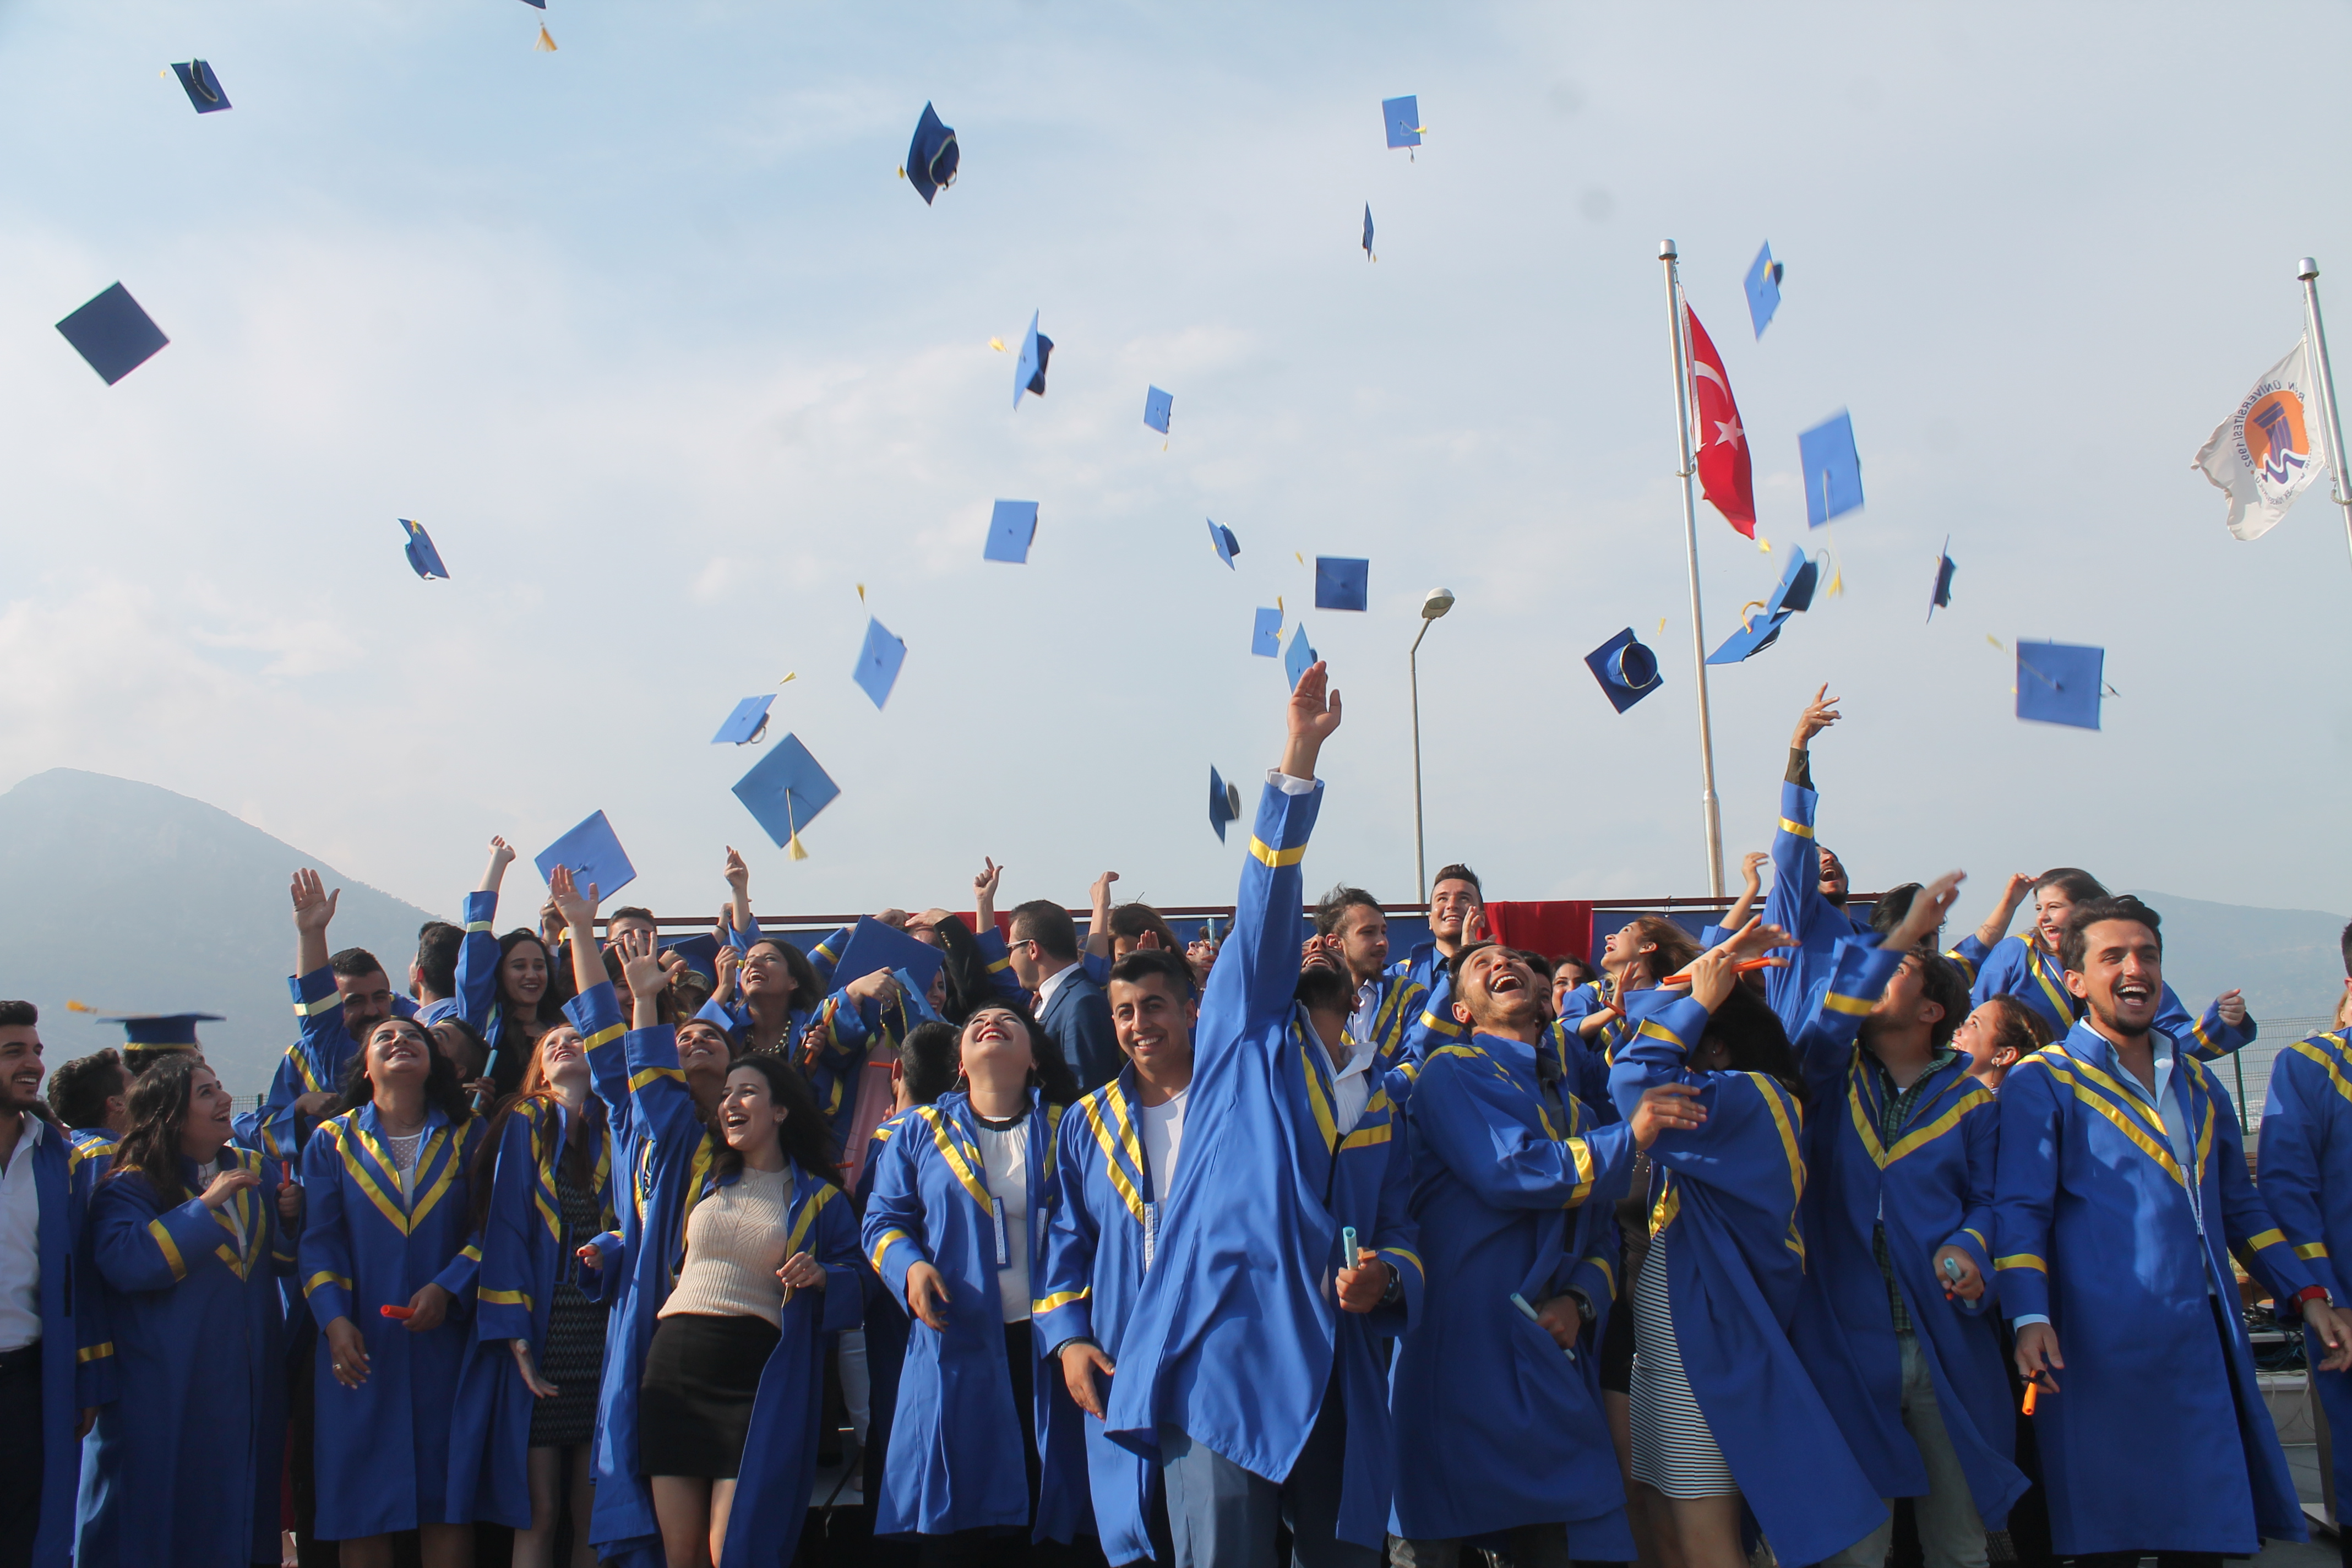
point(650, 336)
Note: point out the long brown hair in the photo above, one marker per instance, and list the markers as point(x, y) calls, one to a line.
point(804, 1136)
point(579, 1158)
point(158, 1115)
point(1675, 946)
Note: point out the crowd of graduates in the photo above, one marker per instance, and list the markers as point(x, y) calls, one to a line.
point(1189, 1252)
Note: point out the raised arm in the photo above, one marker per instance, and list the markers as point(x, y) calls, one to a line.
point(478, 951)
point(2012, 894)
point(579, 913)
point(314, 907)
point(1257, 974)
point(1098, 918)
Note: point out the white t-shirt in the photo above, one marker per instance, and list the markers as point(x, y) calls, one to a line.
point(1006, 1153)
point(1164, 1135)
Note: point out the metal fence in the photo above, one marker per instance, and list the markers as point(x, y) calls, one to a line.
point(2248, 1072)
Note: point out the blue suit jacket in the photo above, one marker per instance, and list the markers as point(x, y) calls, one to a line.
point(1078, 1019)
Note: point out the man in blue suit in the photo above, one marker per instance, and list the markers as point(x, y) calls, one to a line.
point(1044, 946)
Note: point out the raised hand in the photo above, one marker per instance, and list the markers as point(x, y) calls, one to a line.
point(1100, 891)
point(501, 856)
point(1755, 939)
point(576, 910)
point(1819, 715)
point(1311, 719)
point(983, 890)
point(641, 966)
point(313, 905)
point(1928, 907)
point(1751, 870)
point(2232, 1004)
point(739, 875)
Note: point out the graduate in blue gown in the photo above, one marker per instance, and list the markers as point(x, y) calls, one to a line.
point(1251, 1367)
point(2306, 1177)
point(1901, 1145)
point(505, 983)
point(338, 998)
point(387, 1223)
point(1457, 910)
point(1809, 883)
point(184, 1467)
point(2122, 1194)
point(1496, 1393)
point(1727, 1257)
point(984, 1441)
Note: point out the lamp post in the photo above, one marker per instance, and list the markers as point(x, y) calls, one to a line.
point(1439, 601)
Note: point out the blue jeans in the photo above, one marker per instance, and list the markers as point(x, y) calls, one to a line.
point(1222, 1516)
point(1950, 1533)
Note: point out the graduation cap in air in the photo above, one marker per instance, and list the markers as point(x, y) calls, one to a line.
point(1266, 633)
point(1401, 118)
point(203, 88)
point(113, 334)
point(932, 157)
point(422, 556)
point(1300, 659)
point(1941, 596)
point(593, 854)
point(873, 944)
point(878, 661)
point(1341, 583)
point(1157, 404)
point(162, 1031)
point(1367, 233)
point(700, 951)
point(746, 724)
point(785, 791)
point(1029, 375)
point(1760, 630)
point(1832, 470)
point(1010, 530)
point(1221, 541)
point(1627, 670)
point(2060, 683)
point(1225, 802)
point(1763, 290)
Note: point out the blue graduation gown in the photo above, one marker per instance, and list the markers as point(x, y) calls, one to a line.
point(2305, 1155)
point(1725, 1203)
point(2016, 966)
point(2093, 1229)
point(1496, 1426)
point(317, 1061)
point(525, 1254)
point(382, 1448)
point(1932, 1188)
point(1235, 1334)
point(77, 1355)
point(1795, 904)
point(955, 1435)
point(184, 1465)
point(885, 1330)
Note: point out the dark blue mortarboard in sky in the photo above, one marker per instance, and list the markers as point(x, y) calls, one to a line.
point(1029, 374)
point(595, 856)
point(162, 1031)
point(1763, 290)
point(1627, 670)
point(2060, 683)
point(423, 558)
point(873, 945)
point(203, 88)
point(878, 661)
point(1833, 470)
point(1757, 632)
point(1367, 231)
point(1300, 657)
point(932, 157)
point(1221, 541)
point(1941, 596)
point(1341, 583)
point(786, 790)
point(1225, 802)
point(1402, 117)
point(1266, 636)
point(746, 725)
point(1010, 530)
point(1156, 407)
point(113, 334)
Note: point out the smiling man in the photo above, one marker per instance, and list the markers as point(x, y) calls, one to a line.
point(2122, 1192)
point(1458, 915)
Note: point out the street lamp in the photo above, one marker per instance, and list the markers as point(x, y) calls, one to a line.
point(1439, 601)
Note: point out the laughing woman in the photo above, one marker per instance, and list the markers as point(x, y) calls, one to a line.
point(389, 1275)
point(185, 1464)
point(503, 983)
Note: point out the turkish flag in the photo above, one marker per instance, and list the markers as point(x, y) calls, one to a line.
point(1723, 467)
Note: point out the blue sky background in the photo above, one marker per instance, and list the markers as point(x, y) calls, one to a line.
point(650, 336)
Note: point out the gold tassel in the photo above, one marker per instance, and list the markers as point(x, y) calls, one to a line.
point(998, 344)
point(794, 850)
point(1989, 638)
point(546, 44)
point(73, 1006)
point(788, 675)
point(861, 593)
point(1763, 544)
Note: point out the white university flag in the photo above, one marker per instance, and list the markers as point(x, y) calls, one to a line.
point(2266, 453)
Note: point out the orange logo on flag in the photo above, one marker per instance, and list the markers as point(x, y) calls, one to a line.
point(2275, 445)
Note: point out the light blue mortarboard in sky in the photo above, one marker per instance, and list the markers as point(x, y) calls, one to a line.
point(1401, 116)
point(423, 558)
point(786, 790)
point(1341, 583)
point(878, 661)
point(1225, 803)
point(1010, 530)
point(1763, 290)
point(1156, 407)
point(1222, 540)
point(1833, 470)
point(1029, 374)
point(1265, 636)
point(1296, 662)
point(595, 855)
point(744, 725)
point(2060, 683)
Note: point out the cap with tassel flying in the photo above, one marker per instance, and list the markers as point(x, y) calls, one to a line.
point(546, 45)
point(793, 848)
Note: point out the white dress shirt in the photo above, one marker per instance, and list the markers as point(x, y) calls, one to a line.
point(20, 1241)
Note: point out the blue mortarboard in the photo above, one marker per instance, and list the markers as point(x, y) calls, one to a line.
point(746, 724)
point(1761, 631)
point(878, 661)
point(203, 88)
point(1156, 407)
point(918, 998)
point(1341, 583)
point(1942, 595)
point(113, 334)
point(2060, 683)
point(595, 856)
point(873, 946)
point(1296, 662)
point(422, 556)
point(932, 157)
point(1011, 529)
point(1627, 670)
point(1225, 802)
point(785, 791)
point(1367, 231)
point(1029, 375)
point(1266, 633)
point(1221, 541)
point(1763, 290)
point(162, 1031)
point(1832, 470)
point(1402, 118)
point(700, 953)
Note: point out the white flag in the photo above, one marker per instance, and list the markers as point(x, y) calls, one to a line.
point(2266, 454)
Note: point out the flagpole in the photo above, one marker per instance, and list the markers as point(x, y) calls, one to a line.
point(2307, 269)
point(1686, 468)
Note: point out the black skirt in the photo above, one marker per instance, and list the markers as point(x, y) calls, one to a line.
point(694, 1402)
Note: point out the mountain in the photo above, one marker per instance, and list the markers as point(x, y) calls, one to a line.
point(2287, 962)
point(135, 900)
